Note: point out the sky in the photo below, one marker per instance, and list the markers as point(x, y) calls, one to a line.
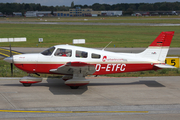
point(82, 2)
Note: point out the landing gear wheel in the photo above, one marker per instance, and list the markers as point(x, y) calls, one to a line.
point(74, 87)
point(27, 84)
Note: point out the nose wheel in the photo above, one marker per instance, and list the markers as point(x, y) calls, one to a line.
point(74, 87)
point(27, 84)
point(28, 80)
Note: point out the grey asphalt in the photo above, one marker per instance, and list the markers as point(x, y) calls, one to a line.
point(89, 23)
point(158, 97)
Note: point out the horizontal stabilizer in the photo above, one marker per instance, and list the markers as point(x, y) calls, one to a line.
point(164, 66)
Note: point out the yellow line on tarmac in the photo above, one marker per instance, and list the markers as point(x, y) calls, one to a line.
point(4, 54)
point(9, 51)
point(23, 111)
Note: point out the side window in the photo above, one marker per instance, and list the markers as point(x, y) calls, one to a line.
point(95, 56)
point(63, 52)
point(49, 51)
point(81, 54)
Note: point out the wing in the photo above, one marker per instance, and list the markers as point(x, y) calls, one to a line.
point(75, 68)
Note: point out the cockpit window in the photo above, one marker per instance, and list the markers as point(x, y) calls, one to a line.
point(81, 54)
point(63, 52)
point(95, 56)
point(49, 51)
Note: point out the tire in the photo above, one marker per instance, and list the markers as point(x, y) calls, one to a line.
point(27, 84)
point(74, 87)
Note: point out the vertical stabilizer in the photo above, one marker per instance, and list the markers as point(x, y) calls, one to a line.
point(159, 47)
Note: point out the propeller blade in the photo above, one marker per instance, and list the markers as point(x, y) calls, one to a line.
point(12, 60)
point(10, 50)
point(11, 69)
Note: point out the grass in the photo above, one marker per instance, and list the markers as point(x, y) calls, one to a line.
point(121, 19)
point(95, 36)
point(5, 70)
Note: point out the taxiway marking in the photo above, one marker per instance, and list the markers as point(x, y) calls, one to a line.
point(24, 111)
point(4, 54)
point(4, 51)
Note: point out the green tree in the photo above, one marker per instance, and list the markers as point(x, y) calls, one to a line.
point(72, 4)
point(96, 6)
point(129, 11)
point(27, 7)
point(163, 7)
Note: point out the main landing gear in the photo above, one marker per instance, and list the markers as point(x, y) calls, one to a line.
point(74, 83)
point(26, 84)
point(74, 87)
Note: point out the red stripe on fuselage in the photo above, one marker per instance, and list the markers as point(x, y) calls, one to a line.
point(120, 68)
point(37, 68)
point(100, 68)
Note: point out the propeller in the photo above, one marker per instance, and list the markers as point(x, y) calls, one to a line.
point(12, 60)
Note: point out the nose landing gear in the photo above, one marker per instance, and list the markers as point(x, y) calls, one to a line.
point(28, 80)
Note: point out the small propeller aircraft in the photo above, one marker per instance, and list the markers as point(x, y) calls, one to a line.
point(77, 62)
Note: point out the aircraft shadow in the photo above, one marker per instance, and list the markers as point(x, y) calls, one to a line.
point(57, 86)
point(149, 83)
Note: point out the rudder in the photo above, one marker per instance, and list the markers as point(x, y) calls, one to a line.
point(164, 39)
point(158, 49)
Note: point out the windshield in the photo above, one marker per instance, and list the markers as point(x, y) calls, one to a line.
point(49, 51)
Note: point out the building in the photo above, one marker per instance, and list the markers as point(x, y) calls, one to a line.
point(45, 13)
point(154, 13)
point(63, 14)
point(30, 14)
point(40, 13)
point(17, 14)
point(1, 15)
point(111, 13)
point(78, 12)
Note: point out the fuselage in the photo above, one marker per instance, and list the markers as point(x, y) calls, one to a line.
point(77, 62)
point(105, 62)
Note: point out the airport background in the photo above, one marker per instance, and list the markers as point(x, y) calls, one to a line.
point(145, 95)
point(125, 9)
point(32, 10)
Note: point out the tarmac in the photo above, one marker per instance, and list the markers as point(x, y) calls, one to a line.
point(126, 98)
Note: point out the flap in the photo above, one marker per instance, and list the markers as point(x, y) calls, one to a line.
point(75, 67)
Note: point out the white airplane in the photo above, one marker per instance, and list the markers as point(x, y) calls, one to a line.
point(77, 62)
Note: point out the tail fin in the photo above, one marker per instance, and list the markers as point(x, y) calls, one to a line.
point(159, 47)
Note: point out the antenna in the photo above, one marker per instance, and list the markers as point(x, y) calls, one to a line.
point(106, 46)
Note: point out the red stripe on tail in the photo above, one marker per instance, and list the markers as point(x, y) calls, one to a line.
point(164, 39)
